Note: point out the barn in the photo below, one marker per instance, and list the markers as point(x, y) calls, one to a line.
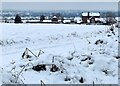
point(90, 17)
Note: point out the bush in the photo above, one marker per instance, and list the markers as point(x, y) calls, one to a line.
point(42, 17)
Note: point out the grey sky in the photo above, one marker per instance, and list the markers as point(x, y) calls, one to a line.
point(111, 6)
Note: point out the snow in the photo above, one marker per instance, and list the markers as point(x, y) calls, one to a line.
point(32, 20)
point(100, 19)
point(88, 20)
point(77, 18)
point(47, 20)
point(117, 18)
point(72, 46)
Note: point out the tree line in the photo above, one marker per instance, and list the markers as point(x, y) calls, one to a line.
point(110, 18)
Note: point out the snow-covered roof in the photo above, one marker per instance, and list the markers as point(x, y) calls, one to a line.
point(94, 14)
point(85, 14)
point(54, 16)
point(91, 14)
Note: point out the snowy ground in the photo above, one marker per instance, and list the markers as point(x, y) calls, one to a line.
point(85, 52)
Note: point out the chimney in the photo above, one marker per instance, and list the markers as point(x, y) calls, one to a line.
point(88, 15)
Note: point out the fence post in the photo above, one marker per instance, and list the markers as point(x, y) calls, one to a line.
point(25, 53)
point(93, 83)
point(31, 52)
point(42, 83)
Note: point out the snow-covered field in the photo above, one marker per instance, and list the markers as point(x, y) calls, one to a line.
point(83, 54)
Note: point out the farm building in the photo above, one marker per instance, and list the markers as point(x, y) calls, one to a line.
point(55, 19)
point(90, 17)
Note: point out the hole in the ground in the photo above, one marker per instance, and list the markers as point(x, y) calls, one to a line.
point(67, 79)
point(99, 42)
point(81, 80)
point(41, 67)
point(117, 57)
point(105, 71)
point(54, 68)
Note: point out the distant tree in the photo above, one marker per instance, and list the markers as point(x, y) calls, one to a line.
point(17, 19)
point(62, 19)
point(58, 15)
point(110, 18)
point(42, 17)
point(103, 15)
point(6, 20)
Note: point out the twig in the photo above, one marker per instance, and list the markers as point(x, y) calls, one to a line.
point(73, 45)
point(31, 52)
point(53, 59)
point(40, 52)
point(18, 75)
point(25, 53)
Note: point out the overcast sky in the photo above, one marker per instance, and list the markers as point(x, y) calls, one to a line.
point(37, 6)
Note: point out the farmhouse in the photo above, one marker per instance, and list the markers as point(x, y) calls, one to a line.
point(90, 17)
